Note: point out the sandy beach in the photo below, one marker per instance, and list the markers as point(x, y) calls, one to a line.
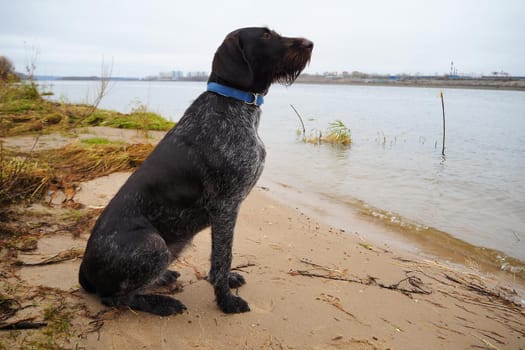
point(310, 284)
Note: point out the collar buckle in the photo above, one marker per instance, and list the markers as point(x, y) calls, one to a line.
point(255, 99)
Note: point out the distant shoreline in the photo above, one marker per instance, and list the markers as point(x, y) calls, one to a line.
point(485, 84)
point(514, 84)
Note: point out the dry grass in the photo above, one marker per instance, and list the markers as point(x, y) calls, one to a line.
point(26, 177)
point(21, 178)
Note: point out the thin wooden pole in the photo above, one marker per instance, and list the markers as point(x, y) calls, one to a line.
point(443, 109)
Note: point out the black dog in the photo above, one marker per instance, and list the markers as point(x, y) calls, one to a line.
point(197, 176)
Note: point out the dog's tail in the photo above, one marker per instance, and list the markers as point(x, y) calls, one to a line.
point(82, 279)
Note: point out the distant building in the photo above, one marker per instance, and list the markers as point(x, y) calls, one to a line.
point(194, 75)
point(177, 75)
point(331, 75)
point(165, 76)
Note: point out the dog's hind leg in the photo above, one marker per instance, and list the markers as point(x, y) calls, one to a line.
point(135, 261)
point(84, 282)
point(161, 305)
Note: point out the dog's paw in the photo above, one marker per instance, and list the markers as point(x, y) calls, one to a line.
point(168, 278)
point(235, 280)
point(171, 307)
point(232, 304)
point(161, 305)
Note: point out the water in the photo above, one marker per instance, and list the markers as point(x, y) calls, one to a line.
point(394, 169)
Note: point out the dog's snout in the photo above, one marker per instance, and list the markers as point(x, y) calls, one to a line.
point(307, 44)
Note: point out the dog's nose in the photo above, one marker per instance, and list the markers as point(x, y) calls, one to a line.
point(307, 44)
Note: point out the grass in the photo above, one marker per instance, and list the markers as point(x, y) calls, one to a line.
point(25, 178)
point(56, 334)
point(98, 141)
point(21, 178)
point(139, 118)
point(58, 319)
point(338, 134)
point(23, 111)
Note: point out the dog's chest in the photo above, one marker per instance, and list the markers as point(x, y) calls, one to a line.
point(246, 161)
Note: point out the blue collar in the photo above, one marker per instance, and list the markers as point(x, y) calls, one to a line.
point(250, 98)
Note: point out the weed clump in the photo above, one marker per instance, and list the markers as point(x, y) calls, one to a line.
point(338, 134)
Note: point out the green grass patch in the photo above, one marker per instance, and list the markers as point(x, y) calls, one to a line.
point(97, 141)
point(23, 111)
point(139, 118)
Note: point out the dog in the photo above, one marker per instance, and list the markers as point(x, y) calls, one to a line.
point(196, 177)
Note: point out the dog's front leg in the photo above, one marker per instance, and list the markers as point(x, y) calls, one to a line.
point(222, 227)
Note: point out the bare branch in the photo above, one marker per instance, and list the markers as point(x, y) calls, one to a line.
point(105, 77)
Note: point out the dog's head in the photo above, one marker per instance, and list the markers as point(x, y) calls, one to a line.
point(251, 59)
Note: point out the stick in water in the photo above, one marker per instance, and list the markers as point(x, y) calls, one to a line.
point(443, 108)
point(300, 119)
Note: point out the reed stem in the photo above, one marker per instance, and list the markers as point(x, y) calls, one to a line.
point(300, 119)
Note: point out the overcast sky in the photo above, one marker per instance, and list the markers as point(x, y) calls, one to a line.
point(144, 37)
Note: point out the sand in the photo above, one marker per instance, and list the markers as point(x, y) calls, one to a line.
point(309, 286)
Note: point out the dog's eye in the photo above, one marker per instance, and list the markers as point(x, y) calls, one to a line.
point(267, 36)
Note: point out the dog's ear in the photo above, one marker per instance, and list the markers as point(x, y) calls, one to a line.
point(230, 63)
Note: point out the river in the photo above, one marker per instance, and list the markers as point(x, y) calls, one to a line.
point(394, 170)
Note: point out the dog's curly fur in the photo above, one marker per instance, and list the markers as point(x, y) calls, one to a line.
point(196, 177)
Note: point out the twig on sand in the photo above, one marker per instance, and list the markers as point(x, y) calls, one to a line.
point(416, 284)
point(242, 266)
point(336, 302)
point(484, 291)
point(98, 320)
point(65, 255)
point(22, 324)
